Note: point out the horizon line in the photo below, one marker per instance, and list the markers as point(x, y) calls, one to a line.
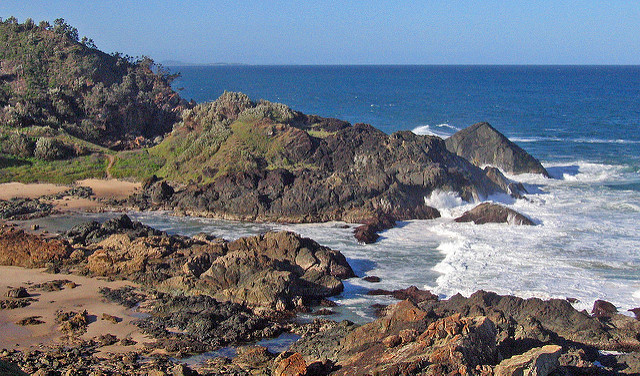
point(177, 63)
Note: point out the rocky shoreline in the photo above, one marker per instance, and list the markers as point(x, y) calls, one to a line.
point(484, 334)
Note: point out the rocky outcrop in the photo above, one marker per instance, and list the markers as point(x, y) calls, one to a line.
point(280, 271)
point(404, 342)
point(18, 248)
point(299, 168)
point(203, 323)
point(485, 334)
point(526, 323)
point(273, 270)
point(515, 189)
point(484, 145)
point(494, 213)
point(412, 293)
point(94, 232)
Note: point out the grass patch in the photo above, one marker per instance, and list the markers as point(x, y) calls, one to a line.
point(138, 164)
point(58, 172)
point(320, 133)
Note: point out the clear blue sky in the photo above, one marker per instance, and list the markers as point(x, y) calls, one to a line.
point(354, 32)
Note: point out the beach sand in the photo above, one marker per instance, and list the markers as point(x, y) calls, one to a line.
point(102, 189)
point(83, 297)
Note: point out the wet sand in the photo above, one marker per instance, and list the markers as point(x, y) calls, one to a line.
point(83, 297)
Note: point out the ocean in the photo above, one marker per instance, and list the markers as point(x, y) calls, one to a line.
point(582, 122)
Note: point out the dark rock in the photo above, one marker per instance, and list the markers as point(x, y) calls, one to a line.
point(327, 303)
point(323, 344)
point(19, 292)
point(24, 209)
point(353, 173)
point(602, 308)
point(160, 192)
point(106, 340)
point(14, 304)
point(371, 278)
point(636, 311)
point(483, 145)
point(205, 323)
point(94, 232)
point(31, 320)
point(494, 213)
point(573, 300)
point(540, 322)
point(515, 189)
point(366, 234)
point(378, 309)
point(412, 293)
point(126, 296)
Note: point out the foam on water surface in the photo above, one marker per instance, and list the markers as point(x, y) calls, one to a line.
point(585, 245)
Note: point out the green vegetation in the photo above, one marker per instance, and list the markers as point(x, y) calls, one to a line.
point(138, 164)
point(51, 78)
point(59, 172)
point(69, 111)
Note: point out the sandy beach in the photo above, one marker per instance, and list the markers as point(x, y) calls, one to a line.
point(84, 296)
point(102, 189)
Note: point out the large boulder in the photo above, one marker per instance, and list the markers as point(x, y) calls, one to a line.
point(482, 144)
point(273, 270)
point(494, 213)
point(18, 248)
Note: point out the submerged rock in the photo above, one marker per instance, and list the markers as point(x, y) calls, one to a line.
point(494, 213)
point(484, 145)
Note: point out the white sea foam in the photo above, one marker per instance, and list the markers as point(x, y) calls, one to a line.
point(441, 130)
point(574, 140)
point(444, 201)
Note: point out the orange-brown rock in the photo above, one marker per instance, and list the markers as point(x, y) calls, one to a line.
point(293, 365)
point(18, 248)
point(408, 342)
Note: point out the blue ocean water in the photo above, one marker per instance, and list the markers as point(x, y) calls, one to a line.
point(557, 113)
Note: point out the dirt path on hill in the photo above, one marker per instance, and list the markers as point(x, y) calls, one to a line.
point(112, 160)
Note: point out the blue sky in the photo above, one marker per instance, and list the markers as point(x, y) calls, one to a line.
point(354, 32)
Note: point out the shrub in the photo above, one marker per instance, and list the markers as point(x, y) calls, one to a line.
point(49, 149)
point(20, 145)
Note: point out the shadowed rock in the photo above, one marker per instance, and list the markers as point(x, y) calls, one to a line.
point(483, 145)
point(494, 213)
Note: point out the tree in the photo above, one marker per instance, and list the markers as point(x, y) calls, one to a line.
point(61, 27)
